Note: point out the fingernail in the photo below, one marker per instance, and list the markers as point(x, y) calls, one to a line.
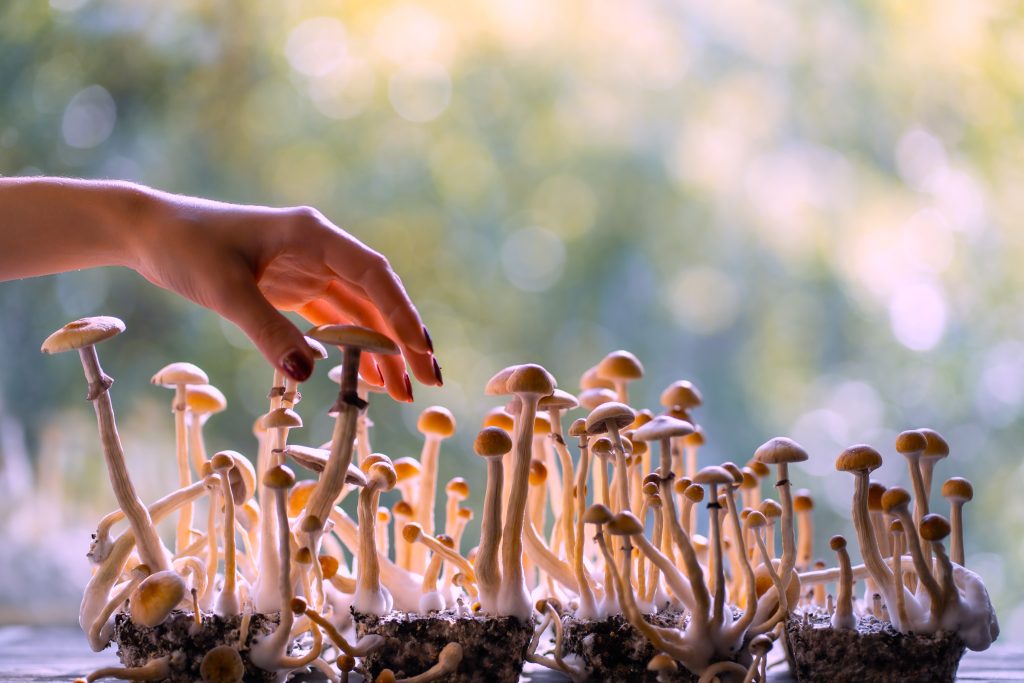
point(408, 386)
point(437, 372)
point(297, 366)
point(426, 336)
point(379, 374)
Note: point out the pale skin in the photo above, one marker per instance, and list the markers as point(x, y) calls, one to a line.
point(247, 263)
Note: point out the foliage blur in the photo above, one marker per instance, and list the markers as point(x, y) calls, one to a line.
point(809, 209)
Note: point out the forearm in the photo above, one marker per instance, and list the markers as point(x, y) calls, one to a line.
point(52, 225)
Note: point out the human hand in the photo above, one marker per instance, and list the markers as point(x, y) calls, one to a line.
point(248, 263)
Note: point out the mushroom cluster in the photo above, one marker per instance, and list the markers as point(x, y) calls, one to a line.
point(593, 560)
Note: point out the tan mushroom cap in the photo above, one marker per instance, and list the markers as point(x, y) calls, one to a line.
point(279, 477)
point(734, 470)
point(750, 480)
point(601, 447)
point(465, 514)
point(859, 458)
point(760, 645)
point(620, 365)
point(558, 400)
point(936, 446)
point(713, 474)
point(81, 333)
point(407, 468)
point(578, 427)
point(837, 542)
point(356, 336)
point(179, 373)
point(770, 508)
point(592, 398)
point(329, 565)
point(221, 461)
point(694, 492)
point(591, 380)
point(896, 526)
point(298, 496)
point(497, 385)
point(625, 524)
point(402, 509)
point(538, 473)
point(619, 414)
point(436, 421)
point(372, 459)
point(662, 427)
point(492, 441)
point(531, 379)
point(457, 488)
point(895, 497)
point(411, 532)
point(802, 500)
point(643, 416)
point(318, 349)
point(934, 527)
point(780, 450)
point(383, 474)
point(876, 490)
point(541, 424)
point(282, 418)
point(759, 468)
point(222, 664)
point(499, 417)
point(154, 598)
point(597, 514)
point(755, 519)
point(662, 663)
point(695, 438)
point(910, 441)
point(205, 399)
point(957, 488)
point(681, 393)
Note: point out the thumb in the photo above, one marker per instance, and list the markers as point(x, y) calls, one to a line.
point(274, 335)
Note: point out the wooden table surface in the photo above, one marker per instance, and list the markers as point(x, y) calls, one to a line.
point(61, 654)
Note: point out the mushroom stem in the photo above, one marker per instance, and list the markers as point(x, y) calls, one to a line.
point(588, 604)
point(362, 647)
point(427, 493)
point(843, 617)
point(153, 670)
point(715, 541)
point(691, 564)
point(369, 598)
point(876, 567)
point(151, 550)
point(181, 538)
point(486, 565)
point(956, 543)
point(227, 601)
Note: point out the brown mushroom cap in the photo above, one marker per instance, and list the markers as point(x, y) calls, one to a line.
point(436, 421)
point(713, 474)
point(642, 417)
point(859, 458)
point(81, 333)
point(894, 498)
point(694, 492)
point(597, 514)
point(601, 447)
point(578, 427)
point(620, 365)
point(696, 438)
point(755, 519)
point(958, 489)
point(780, 450)
point(750, 480)
point(179, 373)
point(492, 441)
point(662, 427)
point(910, 441)
point(770, 508)
point(402, 509)
point(837, 542)
point(282, 418)
point(497, 385)
point(934, 527)
point(355, 336)
point(875, 492)
point(407, 468)
point(383, 474)
point(936, 447)
point(221, 461)
point(154, 598)
point(802, 501)
point(662, 663)
point(592, 398)
point(222, 664)
point(205, 399)
point(457, 487)
point(499, 417)
point(625, 524)
point(411, 532)
point(279, 477)
point(896, 526)
point(735, 471)
point(759, 468)
point(681, 393)
point(532, 379)
point(617, 413)
point(538, 473)
point(591, 380)
point(558, 400)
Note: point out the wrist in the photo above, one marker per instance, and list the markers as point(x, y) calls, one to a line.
point(133, 213)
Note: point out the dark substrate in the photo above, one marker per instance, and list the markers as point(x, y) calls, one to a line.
point(187, 643)
point(493, 648)
point(875, 653)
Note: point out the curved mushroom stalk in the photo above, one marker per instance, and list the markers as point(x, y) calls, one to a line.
point(447, 662)
point(154, 670)
point(364, 646)
point(371, 597)
point(843, 617)
point(102, 628)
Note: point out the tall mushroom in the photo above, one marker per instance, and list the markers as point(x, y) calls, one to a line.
point(491, 444)
point(202, 401)
point(621, 368)
point(82, 335)
point(713, 477)
point(935, 449)
point(436, 424)
point(780, 452)
point(610, 418)
point(957, 491)
point(843, 617)
point(371, 597)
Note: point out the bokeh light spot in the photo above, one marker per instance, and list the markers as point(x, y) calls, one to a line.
point(917, 314)
point(533, 259)
point(317, 46)
point(703, 299)
point(89, 118)
point(420, 92)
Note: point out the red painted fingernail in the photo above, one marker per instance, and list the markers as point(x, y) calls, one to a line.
point(408, 386)
point(437, 372)
point(379, 374)
point(426, 336)
point(297, 366)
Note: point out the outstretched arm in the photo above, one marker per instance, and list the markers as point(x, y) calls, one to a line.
point(245, 262)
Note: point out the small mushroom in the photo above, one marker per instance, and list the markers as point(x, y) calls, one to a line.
point(371, 597)
point(152, 601)
point(843, 618)
point(957, 491)
point(491, 443)
point(621, 368)
point(222, 664)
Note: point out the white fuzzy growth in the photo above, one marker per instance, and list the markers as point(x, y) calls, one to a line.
point(972, 616)
point(377, 602)
point(431, 601)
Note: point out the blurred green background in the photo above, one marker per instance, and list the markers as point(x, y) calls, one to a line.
point(811, 209)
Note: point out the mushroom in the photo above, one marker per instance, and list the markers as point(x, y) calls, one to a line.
point(843, 617)
point(896, 529)
point(82, 335)
point(431, 600)
point(408, 471)
point(780, 452)
point(529, 382)
point(663, 666)
point(934, 528)
point(896, 502)
point(154, 598)
point(491, 443)
point(592, 398)
point(222, 664)
point(179, 376)
point(935, 449)
point(555, 404)
point(436, 423)
point(590, 379)
point(447, 662)
point(371, 597)
point(201, 401)
point(363, 422)
point(403, 514)
point(227, 600)
point(155, 669)
point(957, 491)
point(713, 477)
point(803, 503)
point(610, 418)
point(875, 492)
point(362, 647)
point(621, 368)
point(663, 428)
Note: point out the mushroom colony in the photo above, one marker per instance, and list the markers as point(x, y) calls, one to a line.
point(589, 560)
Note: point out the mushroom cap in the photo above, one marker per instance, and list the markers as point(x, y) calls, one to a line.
point(179, 373)
point(713, 474)
point(625, 524)
point(154, 598)
point(591, 380)
point(407, 468)
point(354, 336)
point(282, 418)
point(499, 417)
point(205, 399)
point(597, 514)
point(876, 490)
point(329, 565)
point(760, 645)
point(957, 488)
point(222, 664)
point(411, 532)
point(694, 492)
point(837, 542)
point(618, 414)
point(279, 477)
point(298, 496)
point(695, 438)
point(934, 527)
point(895, 497)
point(541, 425)
point(662, 662)
point(491, 442)
point(859, 458)
point(780, 450)
point(382, 473)
point(465, 514)
point(755, 519)
point(734, 470)
point(643, 416)
point(558, 400)
point(936, 446)
point(402, 509)
point(759, 468)
point(601, 447)
point(592, 398)
point(770, 508)
point(896, 526)
point(911, 442)
point(538, 472)
point(662, 427)
point(802, 501)
point(221, 461)
point(750, 480)
point(372, 459)
point(318, 349)
point(436, 421)
point(530, 379)
point(81, 333)
point(457, 488)
point(681, 393)
point(304, 555)
point(578, 427)
point(497, 385)
point(620, 365)
point(310, 523)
